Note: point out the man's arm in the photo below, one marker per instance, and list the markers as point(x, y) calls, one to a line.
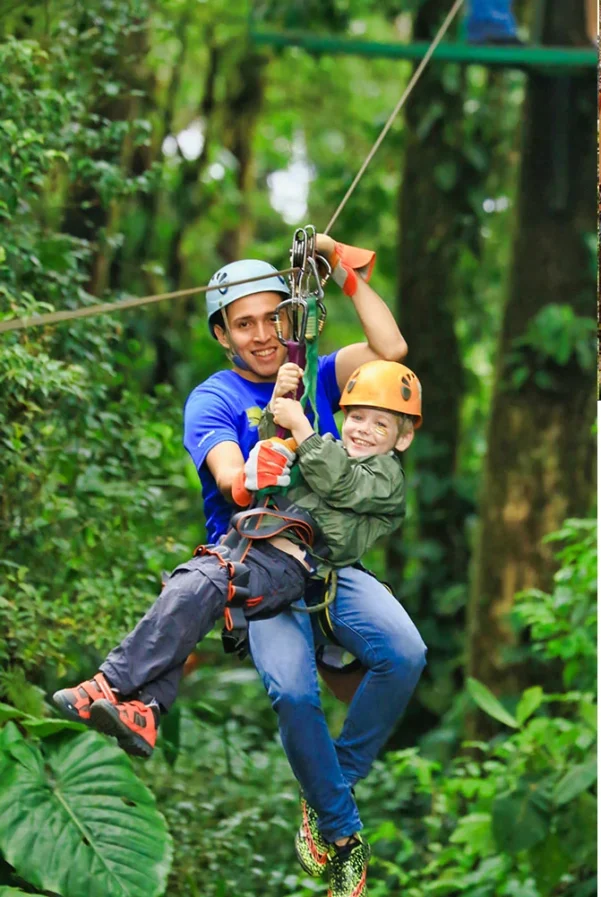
point(384, 339)
point(225, 462)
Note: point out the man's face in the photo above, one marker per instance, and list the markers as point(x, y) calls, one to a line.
point(252, 326)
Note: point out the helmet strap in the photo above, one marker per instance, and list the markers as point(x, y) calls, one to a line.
point(232, 352)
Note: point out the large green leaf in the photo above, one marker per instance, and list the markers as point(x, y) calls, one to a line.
point(577, 780)
point(75, 819)
point(522, 817)
point(491, 705)
point(550, 861)
point(7, 711)
point(12, 892)
point(529, 702)
point(41, 728)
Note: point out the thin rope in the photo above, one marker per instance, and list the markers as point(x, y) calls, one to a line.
point(414, 79)
point(108, 307)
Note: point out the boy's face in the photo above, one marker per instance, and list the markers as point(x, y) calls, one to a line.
point(370, 431)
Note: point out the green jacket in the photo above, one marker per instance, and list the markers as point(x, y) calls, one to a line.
point(354, 501)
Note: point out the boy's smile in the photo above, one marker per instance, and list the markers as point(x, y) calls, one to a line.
point(369, 431)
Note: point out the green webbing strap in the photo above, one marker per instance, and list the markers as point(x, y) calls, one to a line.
point(311, 363)
point(310, 393)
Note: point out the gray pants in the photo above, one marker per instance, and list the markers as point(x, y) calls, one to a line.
point(149, 662)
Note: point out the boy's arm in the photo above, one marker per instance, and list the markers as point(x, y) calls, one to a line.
point(373, 486)
point(362, 532)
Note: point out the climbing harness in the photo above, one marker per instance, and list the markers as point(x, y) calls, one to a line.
point(246, 527)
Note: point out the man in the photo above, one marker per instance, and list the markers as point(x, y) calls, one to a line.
point(491, 22)
point(221, 417)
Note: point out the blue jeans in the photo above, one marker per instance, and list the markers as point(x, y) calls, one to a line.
point(370, 623)
point(490, 19)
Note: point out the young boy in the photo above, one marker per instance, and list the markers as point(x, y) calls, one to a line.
point(353, 491)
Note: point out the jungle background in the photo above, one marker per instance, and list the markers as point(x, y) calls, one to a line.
point(144, 143)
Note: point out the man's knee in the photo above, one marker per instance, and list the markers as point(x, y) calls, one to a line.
point(405, 655)
point(290, 700)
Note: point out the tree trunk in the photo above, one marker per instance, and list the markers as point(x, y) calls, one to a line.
point(244, 102)
point(436, 221)
point(539, 466)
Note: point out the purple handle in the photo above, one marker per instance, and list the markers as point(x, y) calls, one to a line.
point(297, 354)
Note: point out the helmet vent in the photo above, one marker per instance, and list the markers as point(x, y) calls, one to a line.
point(405, 388)
point(351, 385)
point(222, 278)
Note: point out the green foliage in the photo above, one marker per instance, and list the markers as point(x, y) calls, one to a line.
point(514, 816)
point(90, 469)
point(97, 499)
point(563, 624)
point(78, 791)
point(555, 337)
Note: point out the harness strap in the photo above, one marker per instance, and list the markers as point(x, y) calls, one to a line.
point(302, 526)
point(238, 591)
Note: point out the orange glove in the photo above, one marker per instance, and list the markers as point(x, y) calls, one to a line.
point(268, 465)
point(349, 261)
point(240, 493)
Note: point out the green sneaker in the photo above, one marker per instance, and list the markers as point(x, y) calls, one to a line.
point(311, 849)
point(348, 868)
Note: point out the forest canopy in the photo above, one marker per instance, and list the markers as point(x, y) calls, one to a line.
point(145, 143)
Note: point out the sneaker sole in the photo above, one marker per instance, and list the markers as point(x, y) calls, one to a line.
point(67, 709)
point(105, 718)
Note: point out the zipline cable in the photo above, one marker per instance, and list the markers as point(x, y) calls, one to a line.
point(54, 317)
point(414, 79)
point(109, 307)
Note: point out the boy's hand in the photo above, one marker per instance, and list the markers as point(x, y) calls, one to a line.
point(287, 413)
point(288, 379)
point(268, 465)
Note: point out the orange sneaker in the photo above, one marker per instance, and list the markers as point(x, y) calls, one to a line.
point(132, 723)
point(76, 702)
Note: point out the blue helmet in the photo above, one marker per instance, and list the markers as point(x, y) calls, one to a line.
point(223, 295)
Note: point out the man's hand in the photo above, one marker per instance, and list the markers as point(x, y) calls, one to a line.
point(347, 262)
point(288, 379)
point(268, 465)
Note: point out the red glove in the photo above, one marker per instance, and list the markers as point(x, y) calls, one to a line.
point(349, 261)
point(268, 465)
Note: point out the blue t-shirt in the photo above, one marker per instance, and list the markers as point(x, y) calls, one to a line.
point(227, 408)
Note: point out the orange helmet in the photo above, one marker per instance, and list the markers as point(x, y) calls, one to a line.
point(387, 385)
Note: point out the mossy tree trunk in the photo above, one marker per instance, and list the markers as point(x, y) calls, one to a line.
point(539, 465)
point(437, 221)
